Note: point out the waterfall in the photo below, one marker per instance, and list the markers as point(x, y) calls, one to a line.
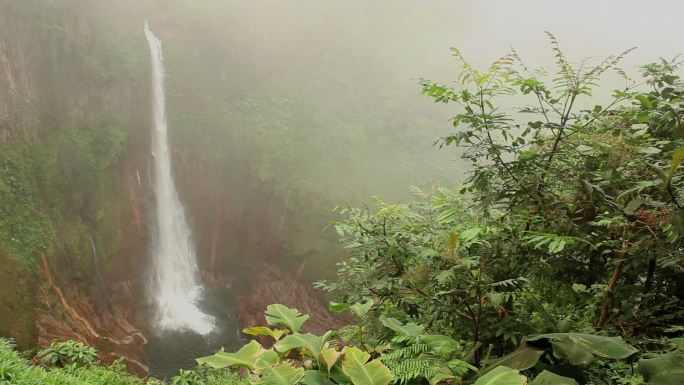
point(175, 285)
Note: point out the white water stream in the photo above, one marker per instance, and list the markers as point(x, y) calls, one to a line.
point(175, 287)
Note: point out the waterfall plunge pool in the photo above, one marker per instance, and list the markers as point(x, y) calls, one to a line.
point(168, 351)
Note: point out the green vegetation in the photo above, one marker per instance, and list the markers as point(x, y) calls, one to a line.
point(54, 192)
point(559, 261)
point(57, 194)
point(16, 370)
point(74, 364)
point(68, 354)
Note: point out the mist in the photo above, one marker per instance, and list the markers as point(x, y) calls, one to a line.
point(278, 111)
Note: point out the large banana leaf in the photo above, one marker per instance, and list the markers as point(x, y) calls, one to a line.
point(502, 375)
point(524, 357)
point(328, 357)
point(573, 352)
point(283, 374)
point(337, 374)
point(355, 365)
point(247, 357)
point(548, 378)
point(266, 359)
point(312, 343)
point(281, 315)
point(316, 377)
point(276, 334)
point(606, 347)
point(666, 369)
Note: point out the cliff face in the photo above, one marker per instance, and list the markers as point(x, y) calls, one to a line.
point(72, 119)
point(66, 61)
point(75, 183)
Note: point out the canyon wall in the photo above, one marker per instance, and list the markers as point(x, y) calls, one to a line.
point(72, 229)
point(75, 193)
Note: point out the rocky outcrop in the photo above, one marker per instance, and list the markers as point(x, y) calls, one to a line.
point(66, 64)
point(74, 316)
point(272, 285)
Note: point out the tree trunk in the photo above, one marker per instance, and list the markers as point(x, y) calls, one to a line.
point(609, 295)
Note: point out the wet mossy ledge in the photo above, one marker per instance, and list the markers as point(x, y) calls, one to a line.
point(17, 297)
point(58, 191)
point(60, 195)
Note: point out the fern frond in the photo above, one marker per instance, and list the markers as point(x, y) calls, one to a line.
point(675, 262)
point(413, 368)
point(397, 355)
point(512, 282)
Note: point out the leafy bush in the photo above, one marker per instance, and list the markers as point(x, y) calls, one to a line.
point(320, 359)
point(405, 353)
point(426, 262)
point(16, 370)
point(68, 354)
point(570, 224)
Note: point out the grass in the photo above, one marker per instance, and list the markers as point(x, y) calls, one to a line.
point(17, 370)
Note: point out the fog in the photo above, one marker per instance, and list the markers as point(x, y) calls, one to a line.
point(277, 111)
point(323, 96)
point(280, 109)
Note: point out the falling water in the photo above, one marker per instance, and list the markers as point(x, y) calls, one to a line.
point(175, 285)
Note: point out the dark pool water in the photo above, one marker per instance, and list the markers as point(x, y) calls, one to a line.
point(169, 351)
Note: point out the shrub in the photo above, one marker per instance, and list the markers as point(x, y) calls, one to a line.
point(68, 354)
point(16, 370)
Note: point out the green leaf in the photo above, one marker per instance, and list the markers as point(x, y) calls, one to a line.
point(338, 376)
point(310, 342)
point(355, 365)
point(246, 357)
point(524, 357)
point(266, 359)
point(606, 347)
point(282, 315)
point(359, 309)
point(445, 276)
point(502, 375)
point(442, 374)
point(677, 159)
point(403, 330)
point(470, 234)
point(441, 344)
point(649, 150)
point(284, 374)
point(328, 357)
point(585, 150)
point(548, 378)
point(338, 307)
point(575, 353)
point(276, 334)
point(633, 206)
point(666, 369)
point(315, 377)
